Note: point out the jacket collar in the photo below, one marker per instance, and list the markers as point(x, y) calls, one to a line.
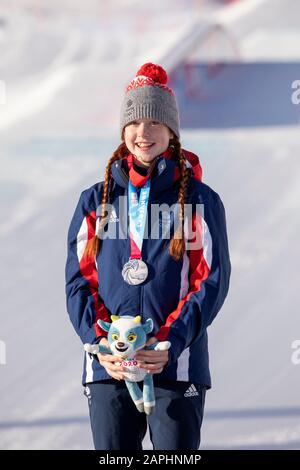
point(165, 173)
point(163, 177)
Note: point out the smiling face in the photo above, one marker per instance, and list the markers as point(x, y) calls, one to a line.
point(125, 337)
point(146, 139)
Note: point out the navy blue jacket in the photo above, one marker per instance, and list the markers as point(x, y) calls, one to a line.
point(181, 297)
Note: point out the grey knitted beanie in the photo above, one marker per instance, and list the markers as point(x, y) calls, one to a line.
point(147, 96)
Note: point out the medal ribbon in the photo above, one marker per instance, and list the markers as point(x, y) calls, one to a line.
point(137, 217)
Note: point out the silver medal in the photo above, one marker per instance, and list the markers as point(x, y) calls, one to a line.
point(135, 271)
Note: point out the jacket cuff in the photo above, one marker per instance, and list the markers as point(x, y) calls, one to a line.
point(98, 339)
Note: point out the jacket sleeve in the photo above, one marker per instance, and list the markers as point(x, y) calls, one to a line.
point(84, 304)
point(209, 274)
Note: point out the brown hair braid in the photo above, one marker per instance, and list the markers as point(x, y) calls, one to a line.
point(177, 244)
point(94, 244)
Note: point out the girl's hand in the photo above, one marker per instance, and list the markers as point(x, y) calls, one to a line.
point(153, 361)
point(110, 362)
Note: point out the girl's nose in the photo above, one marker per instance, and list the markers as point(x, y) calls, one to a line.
point(143, 129)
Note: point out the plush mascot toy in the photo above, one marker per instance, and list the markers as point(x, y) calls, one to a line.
point(126, 335)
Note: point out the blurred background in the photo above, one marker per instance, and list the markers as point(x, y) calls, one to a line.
point(63, 70)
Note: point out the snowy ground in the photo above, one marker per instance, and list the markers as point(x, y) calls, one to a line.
point(65, 70)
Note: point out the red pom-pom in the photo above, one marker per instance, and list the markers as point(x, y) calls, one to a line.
point(156, 72)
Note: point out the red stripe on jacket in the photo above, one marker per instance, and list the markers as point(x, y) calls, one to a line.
point(89, 271)
point(198, 273)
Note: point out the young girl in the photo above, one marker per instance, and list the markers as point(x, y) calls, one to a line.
point(168, 262)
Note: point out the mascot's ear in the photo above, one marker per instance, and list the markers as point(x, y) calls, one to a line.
point(104, 325)
point(114, 317)
point(148, 326)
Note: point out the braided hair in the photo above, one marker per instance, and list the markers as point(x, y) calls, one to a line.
point(177, 243)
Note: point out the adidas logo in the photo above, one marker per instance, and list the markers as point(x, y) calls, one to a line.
point(191, 392)
point(113, 216)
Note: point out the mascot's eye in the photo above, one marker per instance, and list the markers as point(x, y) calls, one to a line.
point(115, 336)
point(131, 337)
